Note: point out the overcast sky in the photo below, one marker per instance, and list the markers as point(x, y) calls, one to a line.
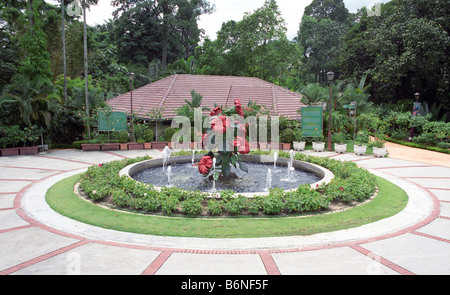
point(291, 10)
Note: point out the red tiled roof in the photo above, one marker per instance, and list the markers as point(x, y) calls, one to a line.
point(171, 92)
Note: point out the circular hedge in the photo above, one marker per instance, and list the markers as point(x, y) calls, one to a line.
point(351, 185)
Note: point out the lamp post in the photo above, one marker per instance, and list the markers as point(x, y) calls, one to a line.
point(131, 77)
point(330, 77)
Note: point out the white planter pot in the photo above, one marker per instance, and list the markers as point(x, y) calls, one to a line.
point(360, 149)
point(340, 147)
point(299, 145)
point(318, 146)
point(379, 152)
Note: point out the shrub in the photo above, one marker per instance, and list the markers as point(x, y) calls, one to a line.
point(168, 134)
point(192, 206)
point(236, 205)
point(288, 136)
point(143, 133)
point(169, 204)
point(215, 207)
point(120, 198)
point(273, 203)
point(123, 136)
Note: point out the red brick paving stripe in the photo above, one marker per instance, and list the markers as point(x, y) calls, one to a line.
point(6, 209)
point(117, 155)
point(157, 263)
point(400, 167)
point(15, 228)
point(42, 258)
point(31, 168)
point(431, 236)
point(269, 263)
point(67, 160)
point(382, 260)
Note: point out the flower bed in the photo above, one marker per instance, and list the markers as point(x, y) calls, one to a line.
point(351, 185)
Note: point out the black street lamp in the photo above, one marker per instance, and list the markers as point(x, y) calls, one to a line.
point(330, 77)
point(131, 77)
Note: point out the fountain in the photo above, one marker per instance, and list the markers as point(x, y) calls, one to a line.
point(230, 167)
point(268, 180)
point(166, 155)
point(169, 174)
point(213, 178)
point(257, 181)
point(275, 159)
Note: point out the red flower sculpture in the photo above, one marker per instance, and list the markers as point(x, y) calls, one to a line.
point(239, 110)
point(216, 111)
point(219, 124)
point(242, 145)
point(205, 165)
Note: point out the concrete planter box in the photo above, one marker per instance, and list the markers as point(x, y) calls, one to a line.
point(147, 145)
point(299, 145)
point(31, 150)
point(263, 146)
point(9, 152)
point(159, 145)
point(340, 147)
point(360, 150)
point(318, 146)
point(110, 147)
point(123, 146)
point(275, 146)
point(87, 147)
point(379, 152)
point(286, 146)
point(135, 146)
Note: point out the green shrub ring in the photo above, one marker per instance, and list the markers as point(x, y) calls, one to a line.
point(102, 184)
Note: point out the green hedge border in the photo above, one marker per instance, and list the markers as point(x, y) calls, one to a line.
point(351, 184)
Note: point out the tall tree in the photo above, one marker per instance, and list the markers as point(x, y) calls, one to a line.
point(404, 50)
point(322, 28)
point(172, 23)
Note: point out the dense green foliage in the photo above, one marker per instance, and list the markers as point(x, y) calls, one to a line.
point(399, 50)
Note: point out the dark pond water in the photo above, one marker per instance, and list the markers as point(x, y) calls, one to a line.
point(187, 177)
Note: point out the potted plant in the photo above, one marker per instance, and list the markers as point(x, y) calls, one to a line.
point(299, 141)
point(318, 141)
point(380, 138)
point(123, 139)
point(11, 136)
point(164, 140)
point(93, 145)
point(287, 138)
point(263, 145)
point(359, 147)
point(339, 145)
point(139, 145)
point(145, 135)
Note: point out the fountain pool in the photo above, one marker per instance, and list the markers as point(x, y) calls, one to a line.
point(184, 177)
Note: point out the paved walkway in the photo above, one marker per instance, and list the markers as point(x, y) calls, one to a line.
point(36, 240)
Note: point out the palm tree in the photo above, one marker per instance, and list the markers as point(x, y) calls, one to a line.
point(31, 98)
point(313, 94)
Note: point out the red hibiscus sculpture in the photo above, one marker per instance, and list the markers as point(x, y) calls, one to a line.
point(205, 165)
point(224, 121)
point(219, 124)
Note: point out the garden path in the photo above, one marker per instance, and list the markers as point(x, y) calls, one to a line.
point(35, 240)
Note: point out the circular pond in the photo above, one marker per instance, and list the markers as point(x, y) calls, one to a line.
point(184, 176)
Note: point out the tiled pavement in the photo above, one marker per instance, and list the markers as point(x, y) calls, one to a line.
point(36, 240)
